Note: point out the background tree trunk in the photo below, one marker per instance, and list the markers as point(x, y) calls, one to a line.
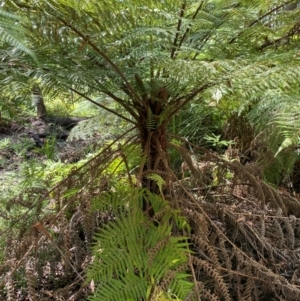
point(38, 101)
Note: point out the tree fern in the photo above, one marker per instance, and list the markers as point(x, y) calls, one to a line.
point(152, 58)
point(274, 117)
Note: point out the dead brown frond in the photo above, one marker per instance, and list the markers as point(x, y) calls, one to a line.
point(31, 280)
point(244, 233)
point(53, 240)
point(10, 290)
point(209, 270)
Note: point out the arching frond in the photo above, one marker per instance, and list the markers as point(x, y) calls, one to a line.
point(12, 32)
point(133, 257)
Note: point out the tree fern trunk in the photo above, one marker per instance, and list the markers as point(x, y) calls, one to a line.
point(154, 146)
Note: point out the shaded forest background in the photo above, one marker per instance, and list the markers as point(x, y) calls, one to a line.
point(149, 150)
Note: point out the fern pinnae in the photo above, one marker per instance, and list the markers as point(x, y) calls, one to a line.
point(290, 237)
point(214, 273)
point(143, 251)
point(205, 246)
point(151, 122)
point(11, 32)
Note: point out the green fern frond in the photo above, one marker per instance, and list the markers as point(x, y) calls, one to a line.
point(114, 201)
point(151, 122)
point(158, 180)
point(12, 32)
point(274, 116)
point(132, 254)
point(286, 125)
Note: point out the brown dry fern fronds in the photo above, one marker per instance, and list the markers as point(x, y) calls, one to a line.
point(10, 290)
point(198, 222)
point(207, 295)
point(31, 280)
point(204, 246)
point(250, 257)
point(212, 272)
point(62, 258)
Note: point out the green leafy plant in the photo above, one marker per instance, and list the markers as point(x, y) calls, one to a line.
point(159, 181)
point(49, 148)
point(274, 119)
point(197, 120)
point(4, 143)
point(215, 141)
point(134, 257)
point(14, 146)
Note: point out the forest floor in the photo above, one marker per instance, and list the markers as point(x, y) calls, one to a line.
point(262, 231)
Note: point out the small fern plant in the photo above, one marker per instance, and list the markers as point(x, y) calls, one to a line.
point(137, 257)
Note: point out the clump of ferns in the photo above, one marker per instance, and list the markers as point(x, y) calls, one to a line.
point(136, 257)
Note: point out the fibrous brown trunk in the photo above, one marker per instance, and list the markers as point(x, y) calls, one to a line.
point(154, 144)
point(155, 148)
point(153, 136)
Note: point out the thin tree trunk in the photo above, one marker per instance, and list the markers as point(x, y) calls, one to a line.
point(38, 101)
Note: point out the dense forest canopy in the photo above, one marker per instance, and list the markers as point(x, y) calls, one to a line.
point(207, 89)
